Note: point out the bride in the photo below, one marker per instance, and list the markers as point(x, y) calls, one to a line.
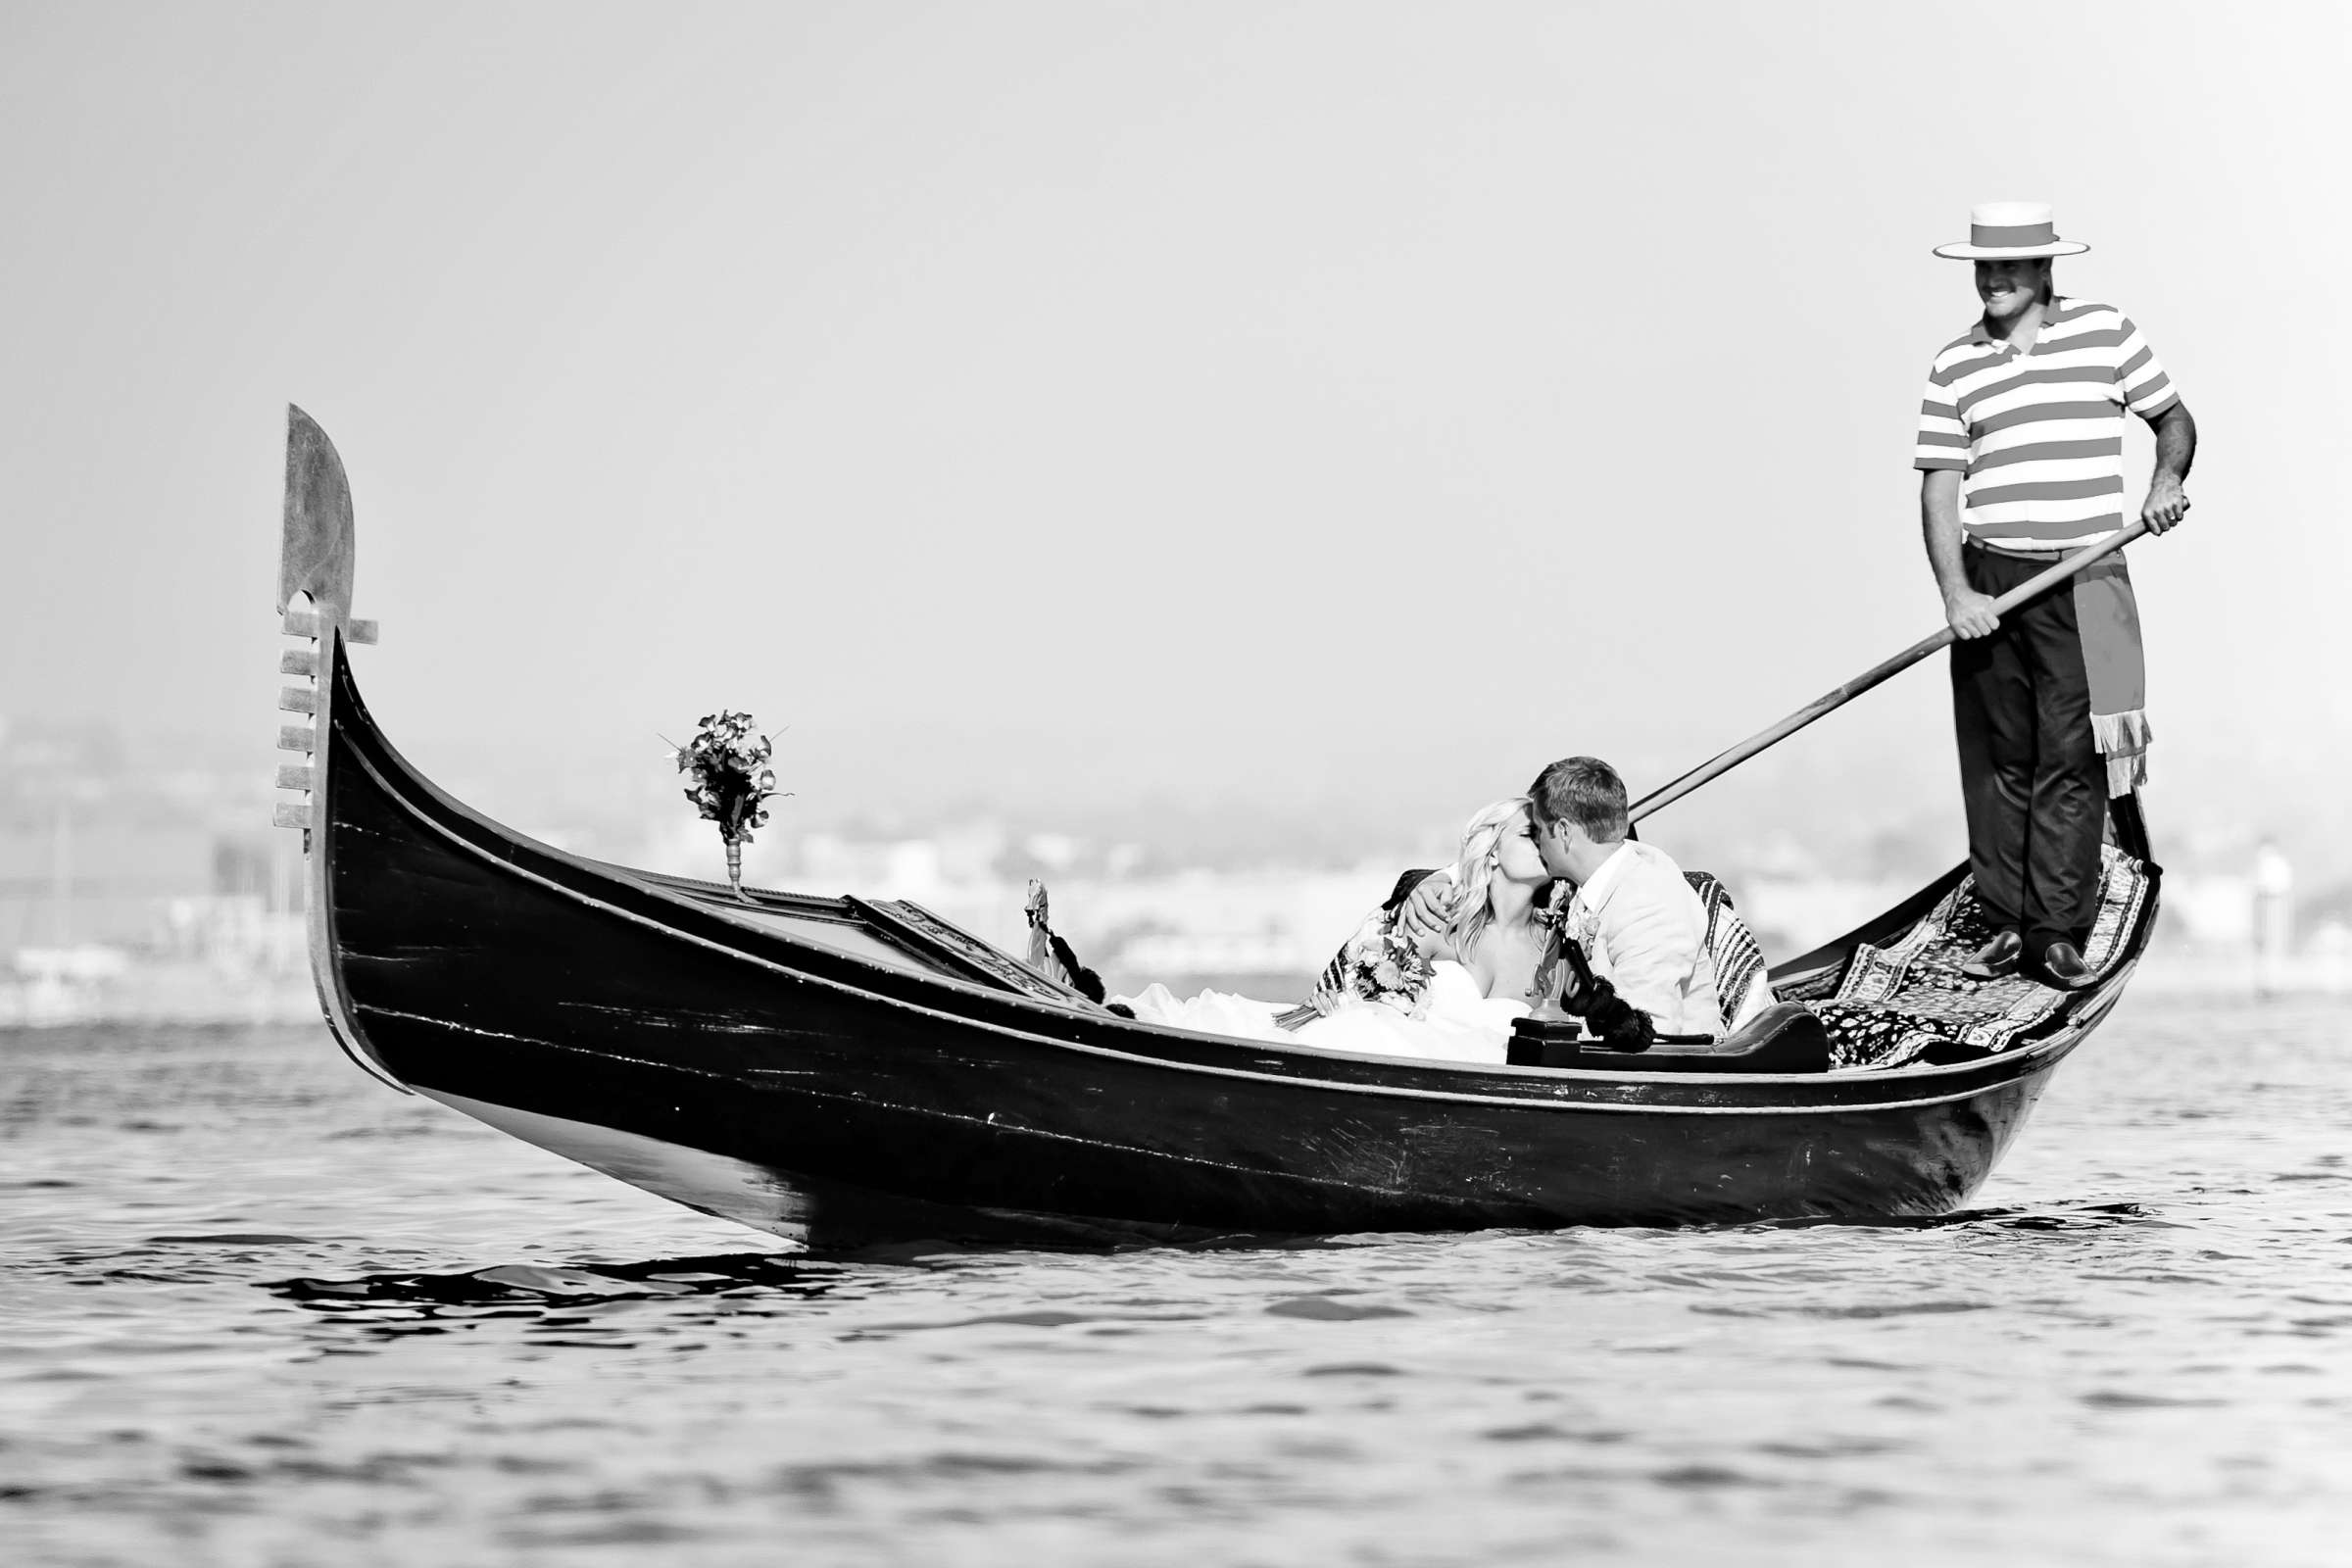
point(1452, 996)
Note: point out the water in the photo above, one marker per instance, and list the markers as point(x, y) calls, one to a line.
point(255, 1309)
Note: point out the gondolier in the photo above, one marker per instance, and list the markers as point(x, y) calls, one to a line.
point(2019, 449)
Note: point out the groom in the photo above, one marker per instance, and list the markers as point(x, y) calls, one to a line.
point(1633, 915)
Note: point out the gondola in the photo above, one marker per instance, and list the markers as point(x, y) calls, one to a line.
point(845, 1071)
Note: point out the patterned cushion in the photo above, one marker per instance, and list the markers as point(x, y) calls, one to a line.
point(1741, 989)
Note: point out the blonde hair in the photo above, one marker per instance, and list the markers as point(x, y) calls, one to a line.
point(1474, 873)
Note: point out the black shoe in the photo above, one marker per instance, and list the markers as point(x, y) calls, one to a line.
point(1996, 957)
point(2062, 964)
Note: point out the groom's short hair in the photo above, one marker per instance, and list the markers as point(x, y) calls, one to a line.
point(1585, 791)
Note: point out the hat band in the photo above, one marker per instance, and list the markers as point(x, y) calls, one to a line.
point(2007, 236)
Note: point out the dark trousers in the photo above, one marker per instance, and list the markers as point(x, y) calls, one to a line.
point(2029, 765)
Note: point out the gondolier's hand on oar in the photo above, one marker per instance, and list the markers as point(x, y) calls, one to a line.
point(2166, 502)
point(1971, 612)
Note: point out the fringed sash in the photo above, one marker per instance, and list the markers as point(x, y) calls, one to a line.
point(2107, 614)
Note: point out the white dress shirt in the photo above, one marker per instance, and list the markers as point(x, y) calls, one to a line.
point(1646, 931)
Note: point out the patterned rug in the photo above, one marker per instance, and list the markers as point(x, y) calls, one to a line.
point(1897, 1002)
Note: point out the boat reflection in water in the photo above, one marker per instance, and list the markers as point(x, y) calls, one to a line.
point(845, 1071)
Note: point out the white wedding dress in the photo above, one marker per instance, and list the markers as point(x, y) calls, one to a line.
point(1455, 1022)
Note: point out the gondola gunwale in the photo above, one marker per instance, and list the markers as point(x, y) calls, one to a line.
point(353, 733)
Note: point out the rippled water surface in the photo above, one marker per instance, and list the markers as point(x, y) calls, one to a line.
point(255, 1309)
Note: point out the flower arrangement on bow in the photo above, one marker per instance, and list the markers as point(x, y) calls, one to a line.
point(726, 760)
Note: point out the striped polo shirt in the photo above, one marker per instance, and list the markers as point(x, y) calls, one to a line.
point(2038, 437)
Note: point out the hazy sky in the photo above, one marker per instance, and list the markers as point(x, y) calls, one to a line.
point(1096, 402)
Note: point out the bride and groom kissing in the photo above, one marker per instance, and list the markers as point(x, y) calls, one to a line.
point(1443, 967)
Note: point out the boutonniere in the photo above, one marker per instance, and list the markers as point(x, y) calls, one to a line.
point(1565, 913)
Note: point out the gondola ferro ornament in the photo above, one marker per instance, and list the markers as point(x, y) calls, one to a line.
point(727, 760)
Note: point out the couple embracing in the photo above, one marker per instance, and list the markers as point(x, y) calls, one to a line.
point(1453, 957)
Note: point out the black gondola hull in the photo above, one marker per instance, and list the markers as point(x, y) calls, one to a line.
point(841, 1100)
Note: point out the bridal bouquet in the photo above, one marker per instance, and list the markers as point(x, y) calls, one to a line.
point(1381, 964)
point(727, 761)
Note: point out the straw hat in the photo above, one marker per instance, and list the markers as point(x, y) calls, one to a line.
point(2007, 231)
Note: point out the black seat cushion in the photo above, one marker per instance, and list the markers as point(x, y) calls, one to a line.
point(1785, 1038)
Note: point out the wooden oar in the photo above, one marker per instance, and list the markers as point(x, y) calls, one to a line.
point(1830, 702)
